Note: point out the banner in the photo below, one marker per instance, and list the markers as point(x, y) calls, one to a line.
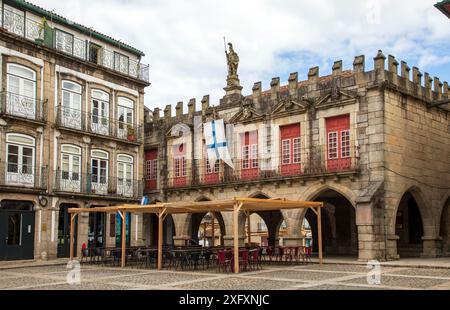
point(216, 143)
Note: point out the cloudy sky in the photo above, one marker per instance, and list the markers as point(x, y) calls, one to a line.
point(183, 40)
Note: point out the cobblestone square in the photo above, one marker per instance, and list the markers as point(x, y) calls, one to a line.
point(310, 277)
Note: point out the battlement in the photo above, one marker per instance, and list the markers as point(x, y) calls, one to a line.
point(387, 72)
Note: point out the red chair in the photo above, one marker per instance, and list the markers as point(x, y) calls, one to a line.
point(243, 260)
point(255, 262)
point(223, 261)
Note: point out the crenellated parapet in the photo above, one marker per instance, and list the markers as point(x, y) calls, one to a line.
point(387, 72)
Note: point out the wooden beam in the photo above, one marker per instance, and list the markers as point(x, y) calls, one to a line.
point(249, 229)
point(160, 238)
point(319, 225)
point(236, 235)
point(123, 214)
point(72, 219)
point(213, 228)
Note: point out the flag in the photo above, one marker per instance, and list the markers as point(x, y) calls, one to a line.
point(216, 143)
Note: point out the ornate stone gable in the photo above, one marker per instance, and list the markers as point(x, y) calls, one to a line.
point(247, 113)
point(336, 97)
point(288, 106)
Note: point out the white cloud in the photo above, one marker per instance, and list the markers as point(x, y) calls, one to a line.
point(183, 40)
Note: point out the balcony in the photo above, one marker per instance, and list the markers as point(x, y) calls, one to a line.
point(23, 176)
point(72, 119)
point(313, 164)
point(19, 106)
point(72, 45)
point(91, 185)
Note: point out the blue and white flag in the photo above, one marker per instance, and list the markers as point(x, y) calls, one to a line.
point(216, 143)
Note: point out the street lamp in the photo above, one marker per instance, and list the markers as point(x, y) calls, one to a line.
point(444, 7)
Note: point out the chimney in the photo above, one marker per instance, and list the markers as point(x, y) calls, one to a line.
point(168, 112)
point(205, 104)
point(274, 88)
point(293, 84)
point(257, 92)
point(359, 64)
point(156, 114)
point(337, 67)
point(380, 65)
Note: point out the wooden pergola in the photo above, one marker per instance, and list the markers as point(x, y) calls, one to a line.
point(236, 205)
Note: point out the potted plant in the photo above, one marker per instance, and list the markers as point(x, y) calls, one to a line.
point(131, 132)
point(42, 27)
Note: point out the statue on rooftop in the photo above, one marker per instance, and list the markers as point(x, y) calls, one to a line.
point(233, 62)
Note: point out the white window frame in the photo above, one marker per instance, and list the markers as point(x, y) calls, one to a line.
point(245, 157)
point(19, 103)
point(102, 158)
point(345, 144)
point(333, 145)
point(297, 150)
point(18, 177)
point(286, 152)
point(254, 156)
point(102, 99)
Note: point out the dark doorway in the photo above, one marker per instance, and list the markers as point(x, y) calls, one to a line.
point(445, 230)
point(16, 230)
point(119, 230)
point(63, 250)
point(151, 234)
point(97, 223)
point(409, 227)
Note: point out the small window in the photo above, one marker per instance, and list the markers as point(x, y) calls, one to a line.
point(73, 87)
point(286, 151)
point(333, 145)
point(20, 139)
point(21, 71)
point(99, 154)
point(345, 144)
point(297, 150)
point(100, 95)
point(71, 149)
point(95, 52)
point(125, 158)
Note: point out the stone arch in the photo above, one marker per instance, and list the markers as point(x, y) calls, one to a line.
point(150, 224)
point(429, 225)
point(444, 229)
point(339, 230)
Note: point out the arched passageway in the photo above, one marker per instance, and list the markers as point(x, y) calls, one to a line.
point(208, 229)
point(409, 227)
point(339, 230)
point(151, 230)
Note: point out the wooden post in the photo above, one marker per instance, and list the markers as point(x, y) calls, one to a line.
point(72, 218)
point(319, 225)
point(213, 228)
point(249, 229)
point(123, 214)
point(160, 240)
point(236, 237)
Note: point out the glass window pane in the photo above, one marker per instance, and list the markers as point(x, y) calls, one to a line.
point(13, 84)
point(20, 139)
point(71, 86)
point(22, 72)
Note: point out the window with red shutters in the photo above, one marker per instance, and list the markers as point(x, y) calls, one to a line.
point(338, 143)
point(211, 174)
point(179, 165)
point(290, 149)
point(151, 169)
point(250, 160)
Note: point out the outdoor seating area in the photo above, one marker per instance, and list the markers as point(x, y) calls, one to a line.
point(233, 259)
point(218, 259)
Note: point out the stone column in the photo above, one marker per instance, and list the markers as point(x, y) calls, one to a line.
point(431, 247)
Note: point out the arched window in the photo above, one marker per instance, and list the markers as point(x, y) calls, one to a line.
point(99, 171)
point(100, 112)
point(71, 104)
point(125, 183)
point(125, 116)
point(20, 152)
point(70, 168)
point(21, 91)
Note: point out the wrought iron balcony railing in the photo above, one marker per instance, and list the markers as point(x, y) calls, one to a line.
point(23, 176)
point(90, 184)
point(311, 164)
point(19, 25)
point(21, 106)
point(95, 124)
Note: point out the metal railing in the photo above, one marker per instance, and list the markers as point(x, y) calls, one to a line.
point(315, 163)
point(32, 30)
point(23, 176)
point(22, 106)
point(90, 184)
point(95, 124)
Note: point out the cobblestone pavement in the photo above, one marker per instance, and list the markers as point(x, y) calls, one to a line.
point(309, 277)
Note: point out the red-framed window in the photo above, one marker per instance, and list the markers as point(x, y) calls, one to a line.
point(249, 155)
point(338, 143)
point(290, 149)
point(179, 165)
point(151, 169)
point(211, 174)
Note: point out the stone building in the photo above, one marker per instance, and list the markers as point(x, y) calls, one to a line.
point(372, 144)
point(71, 131)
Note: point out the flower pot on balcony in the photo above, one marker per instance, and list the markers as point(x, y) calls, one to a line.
point(131, 134)
point(131, 138)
